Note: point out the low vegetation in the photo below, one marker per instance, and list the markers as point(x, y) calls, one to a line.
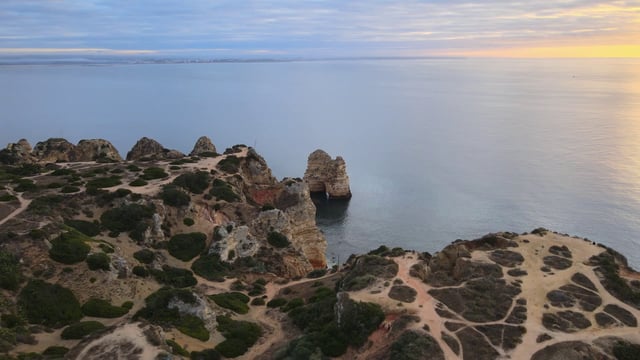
point(125, 217)
point(174, 196)
point(10, 272)
point(104, 182)
point(230, 164)
point(145, 256)
point(49, 304)
point(196, 182)
point(152, 173)
point(138, 182)
point(222, 190)
point(277, 240)
point(239, 336)
point(157, 311)
point(69, 248)
point(81, 329)
point(211, 267)
point(86, 227)
point(99, 261)
point(234, 301)
point(103, 309)
point(187, 246)
point(173, 276)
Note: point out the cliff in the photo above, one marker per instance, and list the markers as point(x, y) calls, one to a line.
point(59, 150)
point(146, 148)
point(327, 176)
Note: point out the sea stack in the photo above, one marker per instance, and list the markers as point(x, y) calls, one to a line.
point(327, 176)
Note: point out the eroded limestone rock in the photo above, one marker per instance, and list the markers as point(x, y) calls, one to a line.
point(327, 175)
point(95, 149)
point(149, 148)
point(204, 145)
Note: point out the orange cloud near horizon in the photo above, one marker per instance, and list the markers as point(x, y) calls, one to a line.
point(567, 51)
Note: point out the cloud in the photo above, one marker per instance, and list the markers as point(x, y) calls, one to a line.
point(314, 28)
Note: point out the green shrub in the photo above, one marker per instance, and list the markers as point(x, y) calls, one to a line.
point(145, 256)
point(234, 301)
point(176, 349)
point(223, 191)
point(25, 185)
point(69, 248)
point(106, 248)
point(68, 189)
point(275, 303)
point(55, 185)
point(158, 312)
point(138, 182)
point(127, 305)
point(422, 346)
point(208, 354)
point(239, 336)
point(44, 205)
point(49, 304)
point(187, 246)
point(55, 352)
point(140, 271)
point(104, 182)
point(267, 207)
point(230, 164)
point(7, 198)
point(11, 321)
point(86, 227)
point(152, 173)
point(196, 182)
point(99, 261)
point(188, 221)
point(210, 267)
point(317, 273)
point(292, 304)
point(173, 196)
point(257, 301)
point(172, 276)
point(125, 217)
point(63, 172)
point(277, 239)
point(133, 168)
point(10, 272)
point(81, 329)
point(102, 309)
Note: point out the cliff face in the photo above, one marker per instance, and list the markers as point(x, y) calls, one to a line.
point(18, 153)
point(59, 150)
point(54, 150)
point(96, 149)
point(326, 175)
point(149, 148)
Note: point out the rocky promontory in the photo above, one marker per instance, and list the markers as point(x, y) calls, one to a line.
point(150, 149)
point(328, 176)
point(210, 257)
point(59, 150)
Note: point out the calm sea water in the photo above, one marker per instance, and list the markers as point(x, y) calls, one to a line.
point(436, 149)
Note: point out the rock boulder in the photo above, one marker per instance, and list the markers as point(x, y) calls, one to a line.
point(327, 175)
point(202, 146)
point(149, 148)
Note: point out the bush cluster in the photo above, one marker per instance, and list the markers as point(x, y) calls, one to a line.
point(277, 240)
point(239, 336)
point(102, 309)
point(69, 248)
point(138, 182)
point(86, 227)
point(234, 301)
point(152, 173)
point(10, 272)
point(188, 221)
point(145, 256)
point(99, 261)
point(81, 329)
point(230, 164)
point(211, 267)
point(49, 304)
point(222, 190)
point(187, 246)
point(125, 217)
point(43, 205)
point(173, 196)
point(104, 182)
point(158, 312)
point(175, 277)
point(196, 182)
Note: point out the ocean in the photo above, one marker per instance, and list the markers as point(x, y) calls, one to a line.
point(436, 149)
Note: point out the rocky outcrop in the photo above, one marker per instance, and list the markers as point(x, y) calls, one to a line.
point(17, 153)
point(327, 175)
point(234, 238)
point(95, 149)
point(147, 148)
point(54, 150)
point(203, 146)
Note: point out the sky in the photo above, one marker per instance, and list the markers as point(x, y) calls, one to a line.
point(319, 28)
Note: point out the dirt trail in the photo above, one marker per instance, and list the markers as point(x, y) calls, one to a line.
point(24, 203)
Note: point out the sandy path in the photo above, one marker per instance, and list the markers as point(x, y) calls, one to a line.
point(24, 203)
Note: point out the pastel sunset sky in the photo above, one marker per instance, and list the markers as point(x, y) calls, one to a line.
point(319, 28)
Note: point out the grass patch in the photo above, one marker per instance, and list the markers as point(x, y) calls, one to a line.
point(196, 182)
point(221, 190)
point(277, 240)
point(49, 304)
point(81, 329)
point(103, 309)
point(69, 248)
point(234, 301)
point(239, 336)
point(211, 267)
point(187, 246)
